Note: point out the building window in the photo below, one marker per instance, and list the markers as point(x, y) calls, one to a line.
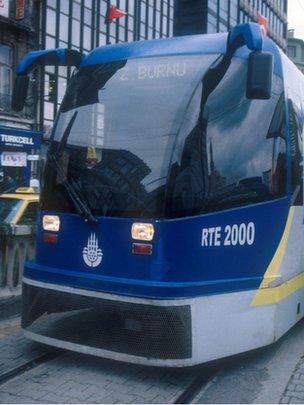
point(6, 72)
point(233, 12)
point(212, 24)
point(291, 51)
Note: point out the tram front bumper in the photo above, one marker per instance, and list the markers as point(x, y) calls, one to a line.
point(129, 329)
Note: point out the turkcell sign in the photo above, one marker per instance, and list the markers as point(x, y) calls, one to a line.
point(19, 141)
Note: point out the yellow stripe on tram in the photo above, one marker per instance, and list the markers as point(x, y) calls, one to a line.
point(274, 295)
point(271, 295)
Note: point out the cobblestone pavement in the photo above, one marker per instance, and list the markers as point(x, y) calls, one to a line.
point(294, 393)
point(9, 326)
point(75, 378)
point(14, 348)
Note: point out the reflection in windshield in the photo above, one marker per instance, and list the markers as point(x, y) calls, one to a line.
point(247, 149)
point(139, 146)
point(119, 149)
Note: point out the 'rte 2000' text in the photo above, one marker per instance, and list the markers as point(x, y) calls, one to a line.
point(231, 235)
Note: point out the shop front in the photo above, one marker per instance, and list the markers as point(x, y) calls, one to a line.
point(19, 156)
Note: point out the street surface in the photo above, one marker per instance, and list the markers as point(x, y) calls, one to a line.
point(270, 375)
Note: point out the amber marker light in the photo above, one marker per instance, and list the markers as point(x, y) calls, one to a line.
point(141, 231)
point(51, 223)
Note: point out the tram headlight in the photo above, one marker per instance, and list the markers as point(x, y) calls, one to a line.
point(141, 231)
point(51, 223)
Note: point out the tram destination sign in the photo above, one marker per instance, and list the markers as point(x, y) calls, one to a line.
point(22, 141)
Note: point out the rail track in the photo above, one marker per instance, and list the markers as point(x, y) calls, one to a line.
point(200, 378)
point(196, 386)
point(28, 365)
point(186, 397)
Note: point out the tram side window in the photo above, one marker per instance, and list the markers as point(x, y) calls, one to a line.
point(276, 132)
point(296, 130)
point(246, 144)
point(234, 156)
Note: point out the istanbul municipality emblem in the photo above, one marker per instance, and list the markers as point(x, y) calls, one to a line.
point(92, 254)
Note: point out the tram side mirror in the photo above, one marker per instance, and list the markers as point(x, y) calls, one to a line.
point(259, 75)
point(19, 92)
point(47, 57)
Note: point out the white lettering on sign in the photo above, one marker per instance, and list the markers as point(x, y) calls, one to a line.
point(161, 70)
point(12, 139)
point(155, 71)
point(233, 235)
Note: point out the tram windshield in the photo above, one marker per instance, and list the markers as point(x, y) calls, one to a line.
point(130, 140)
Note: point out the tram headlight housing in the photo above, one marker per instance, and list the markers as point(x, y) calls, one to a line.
point(51, 223)
point(141, 231)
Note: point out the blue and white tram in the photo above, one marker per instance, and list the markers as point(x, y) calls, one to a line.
point(171, 220)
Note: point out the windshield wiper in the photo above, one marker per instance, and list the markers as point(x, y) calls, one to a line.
point(79, 203)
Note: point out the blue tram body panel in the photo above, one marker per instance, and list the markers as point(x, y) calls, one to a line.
point(179, 265)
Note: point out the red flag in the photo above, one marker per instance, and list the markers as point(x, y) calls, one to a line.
point(114, 13)
point(263, 23)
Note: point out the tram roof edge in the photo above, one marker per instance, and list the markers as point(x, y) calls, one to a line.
point(186, 45)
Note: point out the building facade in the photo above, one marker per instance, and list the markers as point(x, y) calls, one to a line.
point(295, 50)
point(19, 142)
point(17, 37)
point(81, 25)
point(210, 16)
